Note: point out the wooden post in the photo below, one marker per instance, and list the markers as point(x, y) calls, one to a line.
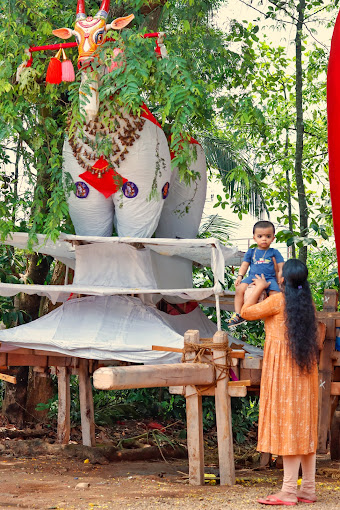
point(195, 441)
point(86, 404)
point(326, 371)
point(223, 415)
point(64, 401)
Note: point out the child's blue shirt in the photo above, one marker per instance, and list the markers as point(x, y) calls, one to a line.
point(261, 262)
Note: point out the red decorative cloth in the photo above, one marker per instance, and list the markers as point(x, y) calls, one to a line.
point(333, 111)
point(109, 182)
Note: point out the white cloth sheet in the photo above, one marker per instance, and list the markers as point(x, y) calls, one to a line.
point(114, 265)
point(106, 328)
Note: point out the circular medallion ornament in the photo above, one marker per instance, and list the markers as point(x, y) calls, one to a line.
point(130, 189)
point(165, 190)
point(82, 189)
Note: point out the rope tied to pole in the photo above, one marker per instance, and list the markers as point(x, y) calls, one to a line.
point(204, 350)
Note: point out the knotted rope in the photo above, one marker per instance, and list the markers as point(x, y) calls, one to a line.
point(205, 349)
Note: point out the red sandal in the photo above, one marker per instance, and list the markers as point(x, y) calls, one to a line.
point(306, 500)
point(275, 501)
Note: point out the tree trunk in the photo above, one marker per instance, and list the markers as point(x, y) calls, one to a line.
point(289, 193)
point(303, 209)
point(15, 401)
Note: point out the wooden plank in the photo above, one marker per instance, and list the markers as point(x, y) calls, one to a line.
point(237, 391)
point(64, 404)
point(328, 315)
point(195, 440)
point(56, 361)
point(38, 352)
point(86, 404)
point(22, 350)
point(153, 376)
point(26, 360)
point(8, 378)
point(251, 363)
point(234, 391)
point(166, 349)
point(177, 390)
point(326, 367)
point(236, 353)
point(223, 414)
point(335, 388)
point(242, 382)
point(3, 359)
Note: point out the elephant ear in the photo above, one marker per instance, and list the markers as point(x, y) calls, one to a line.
point(63, 33)
point(119, 23)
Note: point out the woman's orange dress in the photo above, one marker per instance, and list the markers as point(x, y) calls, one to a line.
point(288, 396)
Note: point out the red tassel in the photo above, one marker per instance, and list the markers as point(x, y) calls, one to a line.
point(67, 71)
point(53, 74)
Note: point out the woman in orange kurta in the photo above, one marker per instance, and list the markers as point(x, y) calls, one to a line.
point(289, 383)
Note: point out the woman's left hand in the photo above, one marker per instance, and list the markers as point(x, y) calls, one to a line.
point(260, 282)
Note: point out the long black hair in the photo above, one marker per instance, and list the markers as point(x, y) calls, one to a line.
point(300, 314)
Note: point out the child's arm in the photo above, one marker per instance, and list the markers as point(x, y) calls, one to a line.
point(242, 271)
point(279, 273)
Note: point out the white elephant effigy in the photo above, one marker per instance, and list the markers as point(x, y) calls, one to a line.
point(134, 190)
point(130, 188)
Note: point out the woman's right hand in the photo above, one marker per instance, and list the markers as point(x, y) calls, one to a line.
point(260, 282)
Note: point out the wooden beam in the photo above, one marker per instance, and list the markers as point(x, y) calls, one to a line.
point(8, 378)
point(251, 363)
point(324, 314)
point(195, 441)
point(86, 404)
point(242, 382)
point(235, 353)
point(64, 404)
point(233, 391)
point(153, 376)
point(326, 367)
point(223, 413)
point(24, 360)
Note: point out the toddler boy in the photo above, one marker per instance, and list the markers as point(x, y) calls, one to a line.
point(260, 260)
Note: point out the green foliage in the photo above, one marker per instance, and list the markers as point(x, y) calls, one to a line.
point(146, 403)
point(323, 272)
point(259, 115)
point(245, 414)
point(10, 263)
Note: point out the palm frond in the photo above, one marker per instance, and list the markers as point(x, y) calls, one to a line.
point(215, 225)
point(222, 156)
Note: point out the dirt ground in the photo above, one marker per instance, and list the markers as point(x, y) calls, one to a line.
point(49, 481)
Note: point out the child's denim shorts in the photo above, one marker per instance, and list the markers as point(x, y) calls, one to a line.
point(273, 283)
